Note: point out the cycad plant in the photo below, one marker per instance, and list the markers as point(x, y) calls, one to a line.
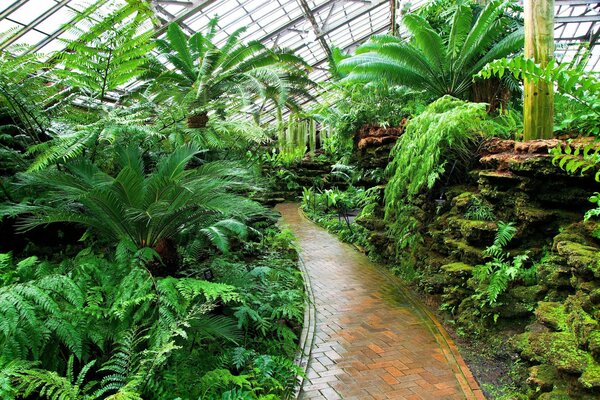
point(205, 77)
point(146, 210)
point(431, 62)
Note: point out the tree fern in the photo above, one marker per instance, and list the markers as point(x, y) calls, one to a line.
point(207, 78)
point(427, 61)
point(147, 210)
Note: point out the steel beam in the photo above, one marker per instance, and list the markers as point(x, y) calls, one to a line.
point(316, 29)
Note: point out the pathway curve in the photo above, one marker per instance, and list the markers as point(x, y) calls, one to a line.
point(372, 339)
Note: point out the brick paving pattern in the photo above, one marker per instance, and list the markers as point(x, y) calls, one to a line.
point(372, 341)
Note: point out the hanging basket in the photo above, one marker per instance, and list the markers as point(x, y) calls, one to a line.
point(197, 120)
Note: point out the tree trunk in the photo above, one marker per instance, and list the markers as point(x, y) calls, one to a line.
point(491, 91)
point(197, 120)
point(539, 45)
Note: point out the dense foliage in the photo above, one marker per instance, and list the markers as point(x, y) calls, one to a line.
point(429, 61)
point(442, 138)
point(166, 280)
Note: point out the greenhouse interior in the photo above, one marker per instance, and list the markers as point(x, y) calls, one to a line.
point(299, 199)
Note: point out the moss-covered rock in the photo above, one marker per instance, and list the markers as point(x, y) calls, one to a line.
point(554, 273)
point(559, 349)
point(464, 252)
point(533, 215)
point(594, 343)
point(581, 257)
point(458, 269)
point(552, 314)
point(474, 232)
point(462, 202)
point(590, 379)
point(543, 377)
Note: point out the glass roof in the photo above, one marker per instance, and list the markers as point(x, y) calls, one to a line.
point(310, 27)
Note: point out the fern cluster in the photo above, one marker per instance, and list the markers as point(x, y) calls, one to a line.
point(494, 277)
point(114, 321)
point(441, 138)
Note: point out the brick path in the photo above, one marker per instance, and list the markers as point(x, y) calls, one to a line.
point(372, 340)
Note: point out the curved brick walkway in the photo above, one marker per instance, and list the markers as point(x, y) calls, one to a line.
point(372, 340)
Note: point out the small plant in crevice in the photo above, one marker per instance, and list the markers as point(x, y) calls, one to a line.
point(480, 210)
point(494, 277)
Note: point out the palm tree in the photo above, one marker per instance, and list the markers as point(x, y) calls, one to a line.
point(147, 211)
point(205, 77)
point(428, 61)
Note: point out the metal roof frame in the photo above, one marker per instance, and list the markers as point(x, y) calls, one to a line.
point(310, 27)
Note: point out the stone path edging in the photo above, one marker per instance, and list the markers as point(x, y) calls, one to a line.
point(307, 335)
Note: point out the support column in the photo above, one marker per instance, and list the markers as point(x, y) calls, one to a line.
point(539, 45)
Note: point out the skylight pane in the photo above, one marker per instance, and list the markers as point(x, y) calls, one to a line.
point(30, 10)
point(56, 20)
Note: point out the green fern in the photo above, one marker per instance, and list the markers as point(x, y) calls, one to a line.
point(444, 134)
point(494, 276)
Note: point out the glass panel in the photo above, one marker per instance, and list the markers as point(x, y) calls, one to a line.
point(31, 10)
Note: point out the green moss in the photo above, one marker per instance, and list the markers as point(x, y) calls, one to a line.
point(552, 314)
point(522, 345)
point(534, 215)
point(543, 376)
point(559, 349)
point(594, 343)
point(462, 201)
point(458, 268)
point(474, 232)
point(580, 256)
point(555, 395)
point(526, 294)
point(590, 379)
point(464, 252)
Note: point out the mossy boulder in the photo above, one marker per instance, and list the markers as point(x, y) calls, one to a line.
point(474, 232)
point(552, 314)
point(553, 272)
point(462, 202)
point(533, 215)
point(463, 251)
point(458, 269)
point(559, 349)
point(581, 257)
point(539, 165)
point(543, 377)
point(590, 379)
point(526, 294)
point(594, 343)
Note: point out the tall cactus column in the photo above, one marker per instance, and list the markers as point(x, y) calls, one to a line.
point(539, 45)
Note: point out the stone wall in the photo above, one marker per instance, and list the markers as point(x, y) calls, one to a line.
point(553, 324)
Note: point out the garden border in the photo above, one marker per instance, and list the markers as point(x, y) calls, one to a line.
point(308, 327)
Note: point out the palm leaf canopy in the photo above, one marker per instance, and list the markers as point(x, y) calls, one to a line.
point(205, 77)
point(431, 62)
point(138, 207)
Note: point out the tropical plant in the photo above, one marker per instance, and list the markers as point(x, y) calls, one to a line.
point(494, 276)
point(109, 319)
point(581, 159)
point(432, 63)
point(444, 135)
point(480, 210)
point(581, 88)
point(207, 78)
point(139, 209)
point(106, 54)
